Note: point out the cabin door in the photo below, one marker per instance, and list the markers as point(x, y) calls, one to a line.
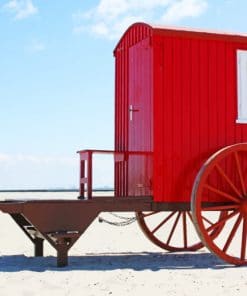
point(140, 120)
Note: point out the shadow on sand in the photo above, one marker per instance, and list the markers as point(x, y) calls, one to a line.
point(113, 261)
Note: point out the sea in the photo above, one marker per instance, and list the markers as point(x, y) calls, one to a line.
point(37, 195)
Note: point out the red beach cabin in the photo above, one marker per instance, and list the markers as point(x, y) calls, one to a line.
point(180, 95)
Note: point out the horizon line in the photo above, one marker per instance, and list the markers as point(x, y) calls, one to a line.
point(53, 190)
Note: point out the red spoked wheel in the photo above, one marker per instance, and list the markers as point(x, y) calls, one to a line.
point(173, 231)
point(220, 186)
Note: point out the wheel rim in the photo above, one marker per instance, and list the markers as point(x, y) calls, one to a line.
point(173, 231)
point(220, 186)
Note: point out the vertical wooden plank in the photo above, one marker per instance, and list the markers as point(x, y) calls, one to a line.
point(194, 163)
point(183, 178)
point(125, 111)
point(120, 114)
point(221, 93)
point(163, 102)
point(117, 167)
point(176, 114)
point(158, 115)
point(151, 157)
point(214, 104)
point(203, 100)
point(214, 71)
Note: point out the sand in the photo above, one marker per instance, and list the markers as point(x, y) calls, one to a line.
point(110, 260)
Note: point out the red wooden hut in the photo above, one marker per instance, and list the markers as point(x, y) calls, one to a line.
point(181, 95)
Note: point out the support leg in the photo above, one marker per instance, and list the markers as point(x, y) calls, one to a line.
point(62, 255)
point(38, 247)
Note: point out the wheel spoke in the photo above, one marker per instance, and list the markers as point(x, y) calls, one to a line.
point(244, 234)
point(173, 228)
point(163, 222)
point(207, 220)
point(170, 222)
point(185, 230)
point(219, 192)
point(150, 214)
point(232, 234)
point(221, 221)
point(240, 172)
point(222, 173)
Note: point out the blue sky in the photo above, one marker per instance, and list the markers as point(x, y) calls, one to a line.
point(57, 78)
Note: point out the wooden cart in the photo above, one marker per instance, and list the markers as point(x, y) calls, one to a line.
point(180, 157)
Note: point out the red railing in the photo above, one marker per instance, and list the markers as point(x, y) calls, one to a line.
point(121, 186)
point(86, 169)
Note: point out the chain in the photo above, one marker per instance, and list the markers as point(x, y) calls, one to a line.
point(126, 220)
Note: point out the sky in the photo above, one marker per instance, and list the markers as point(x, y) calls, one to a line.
point(57, 79)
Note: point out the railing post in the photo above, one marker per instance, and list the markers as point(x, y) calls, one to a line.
point(89, 175)
point(120, 159)
point(82, 176)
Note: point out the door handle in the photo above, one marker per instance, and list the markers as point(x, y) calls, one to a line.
point(131, 110)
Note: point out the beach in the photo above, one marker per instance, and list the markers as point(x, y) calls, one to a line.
point(109, 260)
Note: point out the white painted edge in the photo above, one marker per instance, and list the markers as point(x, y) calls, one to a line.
point(241, 54)
point(243, 121)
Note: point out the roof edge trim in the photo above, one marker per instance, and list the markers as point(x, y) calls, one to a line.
point(129, 29)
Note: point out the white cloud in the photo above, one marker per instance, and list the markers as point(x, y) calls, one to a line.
point(21, 9)
point(185, 8)
point(111, 8)
point(100, 29)
point(111, 17)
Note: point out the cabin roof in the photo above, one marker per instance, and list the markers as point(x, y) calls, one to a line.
point(186, 32)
